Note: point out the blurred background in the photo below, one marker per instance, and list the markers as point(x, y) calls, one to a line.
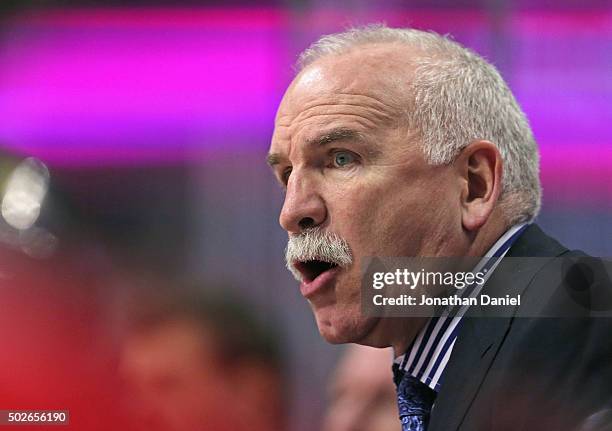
point(133, 137)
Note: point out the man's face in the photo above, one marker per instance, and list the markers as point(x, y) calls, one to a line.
point(351, 167)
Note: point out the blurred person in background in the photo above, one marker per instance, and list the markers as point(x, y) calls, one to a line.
point(362, 395)
point(197, 362)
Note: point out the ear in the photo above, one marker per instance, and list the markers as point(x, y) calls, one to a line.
point(480, 168)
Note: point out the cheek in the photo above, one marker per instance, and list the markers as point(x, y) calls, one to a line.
point(380, 221)
point(355, 212)
point(391, 213)
point(396, 220)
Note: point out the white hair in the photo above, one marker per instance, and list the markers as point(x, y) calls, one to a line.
point(457, 97)
point(316, 244)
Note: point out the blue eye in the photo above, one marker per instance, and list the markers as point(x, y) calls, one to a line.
point(343, 158)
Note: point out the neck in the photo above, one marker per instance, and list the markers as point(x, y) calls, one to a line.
point(479, 242)
point(402, 331)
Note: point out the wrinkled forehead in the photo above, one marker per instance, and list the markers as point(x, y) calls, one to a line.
point(383, 72)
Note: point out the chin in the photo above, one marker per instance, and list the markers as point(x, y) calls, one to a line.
point(341, 328)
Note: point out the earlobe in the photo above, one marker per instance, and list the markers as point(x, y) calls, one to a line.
point(480, 165)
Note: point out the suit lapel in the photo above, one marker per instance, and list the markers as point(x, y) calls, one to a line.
point(481, 337)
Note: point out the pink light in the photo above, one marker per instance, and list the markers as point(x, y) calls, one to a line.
point(101, 86)
point(157, 85)
point(183, 18)
point(577, 174)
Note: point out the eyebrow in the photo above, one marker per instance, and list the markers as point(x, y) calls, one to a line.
point(335, 135)
point(273, 159)
point(326, 138)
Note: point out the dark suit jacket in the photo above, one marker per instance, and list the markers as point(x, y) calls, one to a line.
point(519, 373)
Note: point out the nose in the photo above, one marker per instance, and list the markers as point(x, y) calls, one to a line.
point(303, 207)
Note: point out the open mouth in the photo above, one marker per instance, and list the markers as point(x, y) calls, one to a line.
point(311, 269)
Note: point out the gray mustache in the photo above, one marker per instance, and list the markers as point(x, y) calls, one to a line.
point(316, 244)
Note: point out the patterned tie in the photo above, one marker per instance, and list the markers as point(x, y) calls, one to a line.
point(414, 399)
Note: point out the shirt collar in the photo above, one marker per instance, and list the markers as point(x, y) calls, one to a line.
point(430, 351)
